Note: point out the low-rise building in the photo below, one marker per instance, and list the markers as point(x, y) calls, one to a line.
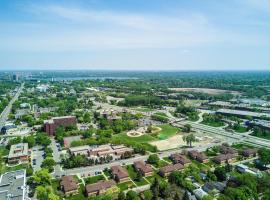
point(199, 193)
point(226, 149)
point(99, 188)
point(80, 150)
point(166, 170)
point(18, 153)
point(250, 153)
point(143, 168)
point(224, 158)
point(13, 185)
point(120, 174)
point(69, 185)
point(180, 158)
point(199, 156)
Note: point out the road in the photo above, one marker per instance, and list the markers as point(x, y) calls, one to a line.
point(259, 142)
point(90, 170)
point(56, 157)
point(6, 111)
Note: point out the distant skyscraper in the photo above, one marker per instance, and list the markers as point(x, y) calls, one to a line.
point(15, 77)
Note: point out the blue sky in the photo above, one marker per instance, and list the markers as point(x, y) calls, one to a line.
point(135, 34)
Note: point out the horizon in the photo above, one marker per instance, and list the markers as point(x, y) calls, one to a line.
point(127, 35)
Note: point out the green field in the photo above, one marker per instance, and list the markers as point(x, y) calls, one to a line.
point(214, 124)
point(167, 131)
point(93, 179)
point(125, 185)
point(133, 175)
point(240, 129)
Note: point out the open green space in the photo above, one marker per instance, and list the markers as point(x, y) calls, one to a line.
point(94, 179)
point(161, 114)
point(167, 131)
point(134, 176)
point(240, 129)
point(167, 159)
point(125, 185)
point(144, 109)
point(213, 123)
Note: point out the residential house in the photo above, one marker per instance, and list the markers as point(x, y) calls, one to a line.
point(143, 168)
point(224, 158)
point(165, 171)
point(180, 158)
point(120, 174)
point(200, 157)
point(99, 188)
point(69, 185)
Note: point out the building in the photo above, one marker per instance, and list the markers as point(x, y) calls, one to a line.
point(69, 185)
point(18, 153)
point(179, 158)
point(241, 113)
point(199, 193)
point(224, 158)
point(80, 150)
point(120, 174)
point(250, 153)
point(13, 185)
point(69, 140)
point(42, 88)
point(98, 188)
point(51, 125)
point(226, 149)
point(165, 171)
point(8, 128)
point(109, 150)
point(200, 157)
point(143, 168)
point(214, 187)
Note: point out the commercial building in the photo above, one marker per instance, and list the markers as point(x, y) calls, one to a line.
point(69, 185)
point(51, 125)
point(120, 174)
point(98, 188)
point(143, 168)
point(18, 153)
point(80, 150)
point(13, 186)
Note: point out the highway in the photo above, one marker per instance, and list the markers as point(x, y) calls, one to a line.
point(259, 142)
point(6, 111)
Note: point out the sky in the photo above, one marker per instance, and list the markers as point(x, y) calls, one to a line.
point(135, 35)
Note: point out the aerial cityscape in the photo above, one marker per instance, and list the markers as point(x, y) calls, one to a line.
point(134, 100)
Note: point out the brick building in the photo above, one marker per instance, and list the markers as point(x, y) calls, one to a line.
point(51, 125)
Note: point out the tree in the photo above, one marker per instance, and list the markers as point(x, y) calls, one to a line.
point(147, 195)
point(220, 173)
point(121, 196)
point(52, 196)
point(264, 156)
point(185, 196)
point(42, 177)
point(153, 159)
point(30, 140)
point(187, 128)
point(48, 163)
point(155, 188)
point(43, 139)
point(131, 195)
point(189, 139)
point(41, 193)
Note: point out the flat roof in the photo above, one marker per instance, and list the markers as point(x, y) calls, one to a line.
point(242, 112)
point(18, 150)
point(13, 185)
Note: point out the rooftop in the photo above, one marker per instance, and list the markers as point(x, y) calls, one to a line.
point(18, 150)
point(13, 185)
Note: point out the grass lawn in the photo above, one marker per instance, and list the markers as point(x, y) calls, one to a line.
point(161, 163)
point(267, 136)
point(143, 138)
point(144, 109)
point(133, 175)
point(167, 131)
point(214, 124)
point(201, 166)
point(94, 179)
point(152, 178)
point(3, 151)
point(125, 185)
point(241, 146)
point(161, 114)
point(167, 159)
point(16, 167)
point(240, 129)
